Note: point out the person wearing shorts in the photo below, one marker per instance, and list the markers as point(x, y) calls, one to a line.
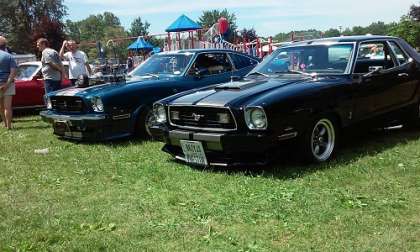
point(7, 85)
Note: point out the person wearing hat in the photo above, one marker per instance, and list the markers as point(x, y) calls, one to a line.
point(7, 85)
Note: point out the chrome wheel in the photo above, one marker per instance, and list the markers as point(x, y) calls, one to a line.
point(149, 122)
point(323, 140)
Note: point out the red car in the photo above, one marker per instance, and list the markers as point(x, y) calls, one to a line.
point(30, 85)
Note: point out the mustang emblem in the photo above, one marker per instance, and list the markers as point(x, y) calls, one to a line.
point(197, 117)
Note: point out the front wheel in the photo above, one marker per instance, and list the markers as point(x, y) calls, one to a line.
point(319, 140)
point(143, 124)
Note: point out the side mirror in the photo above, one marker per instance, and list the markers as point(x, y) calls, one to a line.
point(199, 73)
point(37, 76)
point(373, 70)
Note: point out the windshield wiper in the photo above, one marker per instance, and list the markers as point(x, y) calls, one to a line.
point(296, 72)
point(152, 74)
point(258, 73)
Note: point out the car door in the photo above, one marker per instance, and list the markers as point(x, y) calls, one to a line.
point(29, 87)
point(208, 69)
point(378, 73)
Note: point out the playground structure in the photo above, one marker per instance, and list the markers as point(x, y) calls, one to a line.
point(184, 33)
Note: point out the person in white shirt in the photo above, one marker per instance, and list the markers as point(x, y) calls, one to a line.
point(78, 61)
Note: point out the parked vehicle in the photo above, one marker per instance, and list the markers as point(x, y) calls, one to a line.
point(29, 83)
point(121, 109)
point(304, 93)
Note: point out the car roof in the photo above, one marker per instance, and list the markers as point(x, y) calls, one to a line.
point(204, 51)
point(37, 63)
point(344, 39)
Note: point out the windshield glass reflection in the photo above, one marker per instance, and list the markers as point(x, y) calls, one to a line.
point(163, 64)
point(308, 59)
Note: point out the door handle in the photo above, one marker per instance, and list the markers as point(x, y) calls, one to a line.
point(175, 90)
point(403, 75)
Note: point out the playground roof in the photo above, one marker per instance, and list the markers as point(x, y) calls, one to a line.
point(183, 23)
point(140, 44)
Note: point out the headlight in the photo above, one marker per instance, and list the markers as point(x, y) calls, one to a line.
point(49, 104)
point(97, 104)
point(159, 112)
point(255, 118)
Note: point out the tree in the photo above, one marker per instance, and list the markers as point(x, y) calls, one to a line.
point(22, 17)
point(138, 28)
point(248, 34)
point(415, 12)
point(332, 32)
point(408, 29)
point(209, 18)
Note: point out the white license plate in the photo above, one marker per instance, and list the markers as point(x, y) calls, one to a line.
point(194, 152)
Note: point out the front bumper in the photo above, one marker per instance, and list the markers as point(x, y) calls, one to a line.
point(83, 127)
point(223, 149)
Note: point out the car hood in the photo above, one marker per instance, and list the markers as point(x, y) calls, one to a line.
point(233, 92)
point(131, 84)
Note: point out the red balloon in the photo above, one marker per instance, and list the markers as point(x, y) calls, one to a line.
point(223, 25)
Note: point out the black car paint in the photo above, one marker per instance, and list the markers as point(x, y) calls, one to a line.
point(292, 102)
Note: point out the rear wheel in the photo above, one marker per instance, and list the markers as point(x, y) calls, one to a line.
point(319, 140)
point(413, 119)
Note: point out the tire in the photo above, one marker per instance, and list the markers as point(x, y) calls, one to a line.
point(319, 140)
point(144, 121)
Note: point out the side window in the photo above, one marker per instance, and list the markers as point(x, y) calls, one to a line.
point(211, 63)
point(373, 55)
point(242, 61)
point(401, 56)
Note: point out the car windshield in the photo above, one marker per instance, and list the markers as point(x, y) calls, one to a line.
point(308, 59)
point(25, 72)
point(163, 64)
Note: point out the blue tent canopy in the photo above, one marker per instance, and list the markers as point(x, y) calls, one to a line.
point(141, 44)
point(183, 23)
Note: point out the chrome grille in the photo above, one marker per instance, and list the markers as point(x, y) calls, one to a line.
point(67, 103)
point(208, 118)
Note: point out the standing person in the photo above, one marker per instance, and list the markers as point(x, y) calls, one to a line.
point(78, 61)
point(52, 67)
point(7, 85)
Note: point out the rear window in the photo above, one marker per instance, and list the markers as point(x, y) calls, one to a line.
point(242, 61)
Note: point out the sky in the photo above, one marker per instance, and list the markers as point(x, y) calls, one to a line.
point(267, 17)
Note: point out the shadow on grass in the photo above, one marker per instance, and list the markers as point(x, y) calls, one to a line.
point(353, 145)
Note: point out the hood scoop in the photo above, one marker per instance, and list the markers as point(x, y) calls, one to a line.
point(237, 85)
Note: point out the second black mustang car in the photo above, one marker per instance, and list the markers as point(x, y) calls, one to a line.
point(123, 108)
point(304, 92)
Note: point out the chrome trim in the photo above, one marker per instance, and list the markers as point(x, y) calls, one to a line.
point(49, 115)
point(287, 136)
point(120, 117)
point(209, 164)
point(201, 128)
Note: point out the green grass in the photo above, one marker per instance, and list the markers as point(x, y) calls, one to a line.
point(130, 196)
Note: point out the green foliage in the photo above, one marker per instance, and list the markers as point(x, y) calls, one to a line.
point(332, 33)
point(408, 29)
point(210, 17)
point(138, 28)
point(131, 196)
point(101, 27)
point(20, 19)
point(248, 34)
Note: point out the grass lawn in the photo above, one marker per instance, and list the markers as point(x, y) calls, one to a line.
point(130, 196)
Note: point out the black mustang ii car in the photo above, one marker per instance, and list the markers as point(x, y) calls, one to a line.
point(123, 108)
point(304, 93)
